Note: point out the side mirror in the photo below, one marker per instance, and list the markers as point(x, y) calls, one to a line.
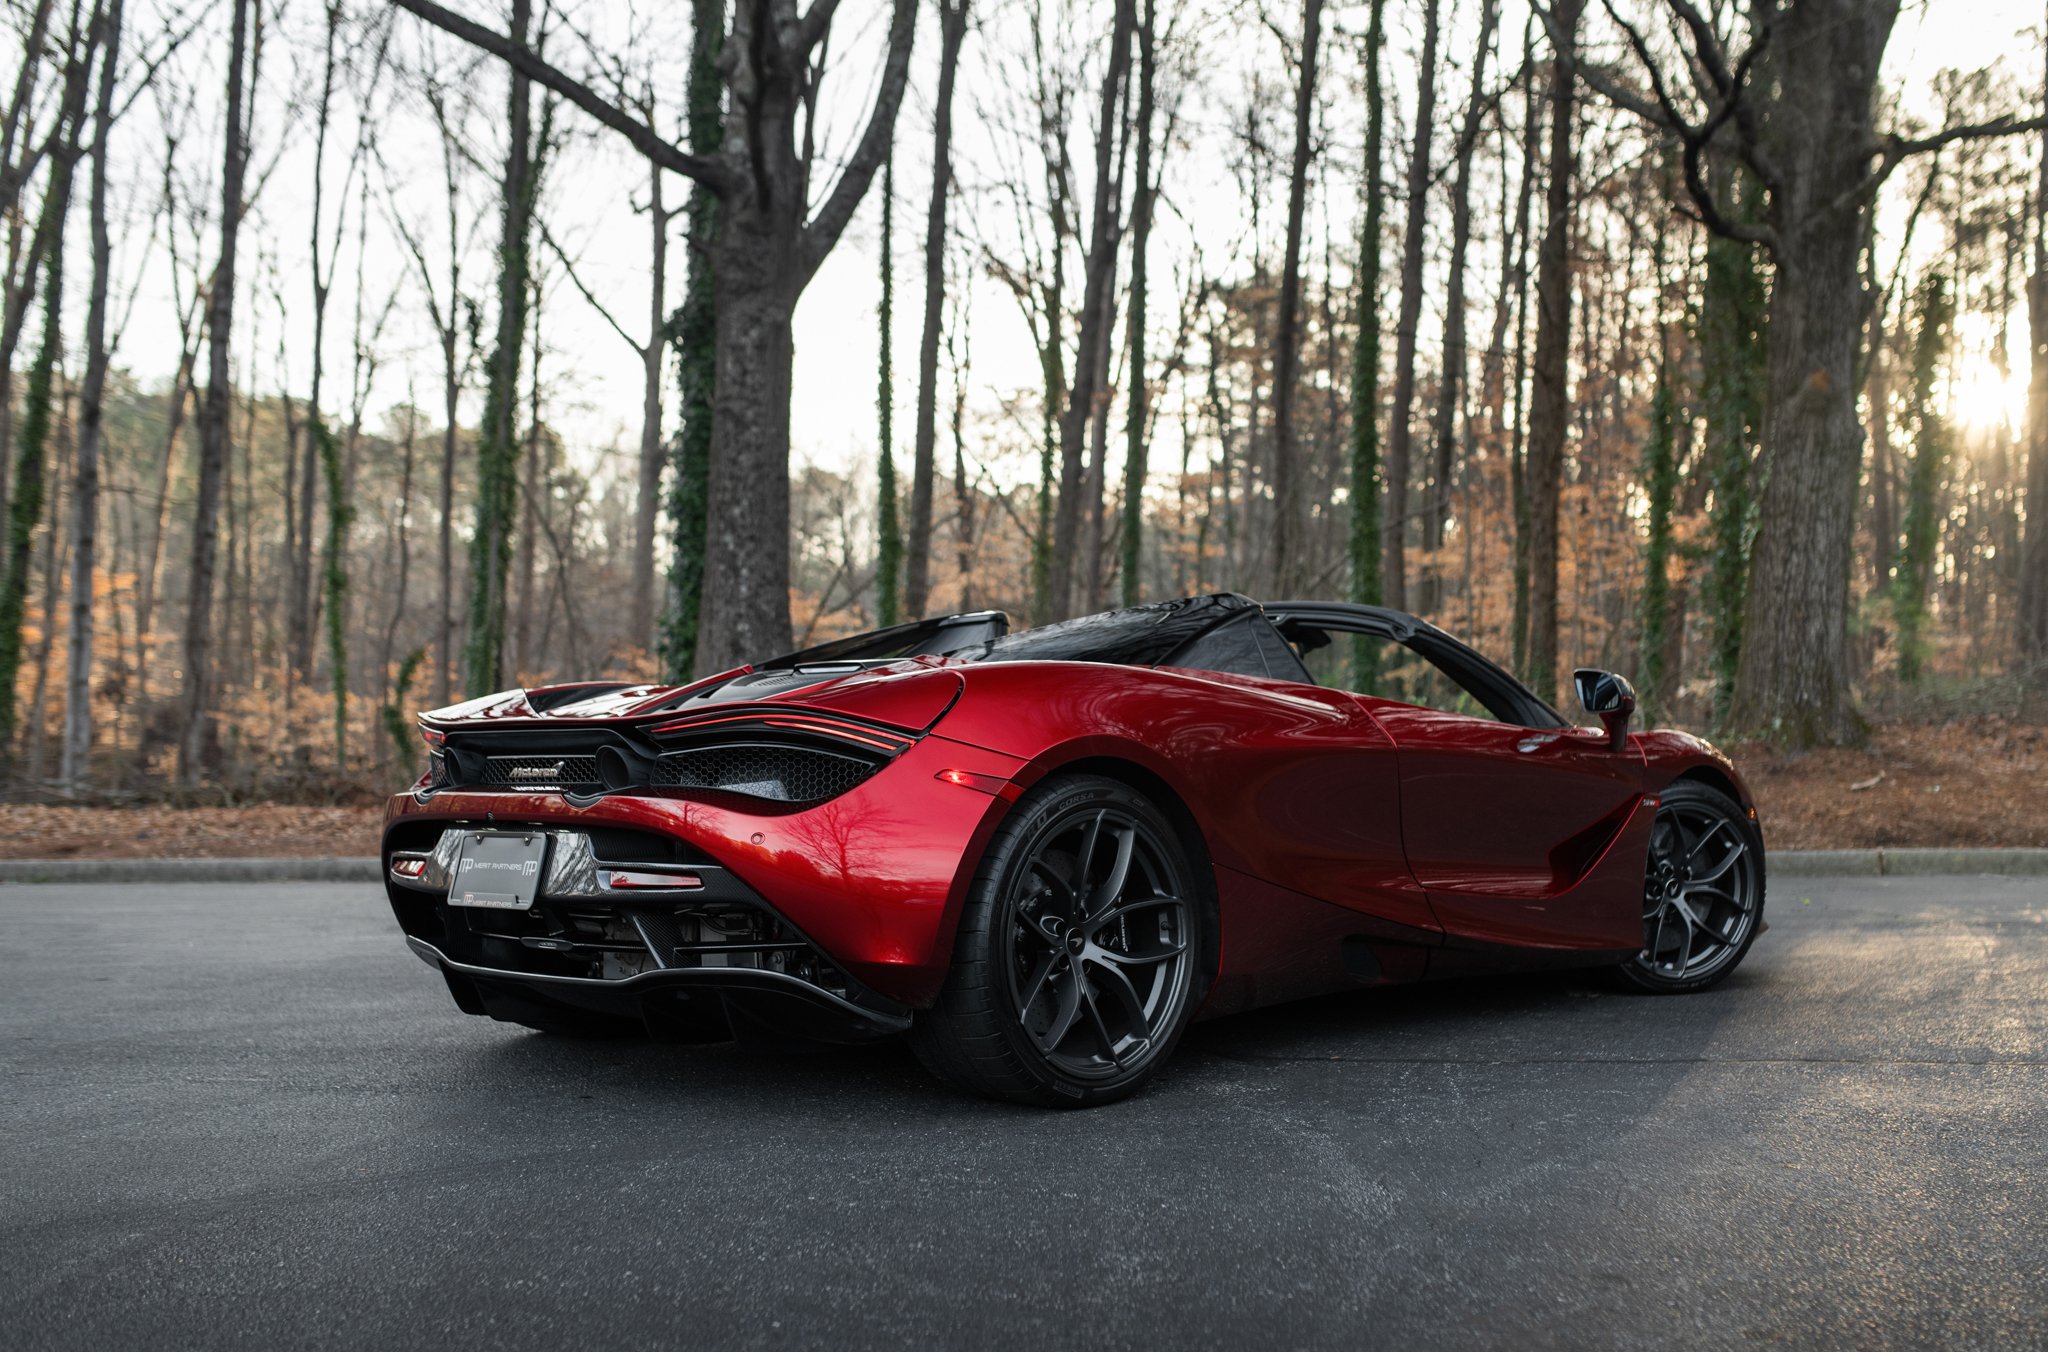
point(1610, 698)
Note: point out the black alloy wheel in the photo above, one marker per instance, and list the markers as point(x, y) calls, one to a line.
point(1080, 955)
point(1703, 891)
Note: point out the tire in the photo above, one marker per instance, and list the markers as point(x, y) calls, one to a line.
point(1703, 892)
point(1080, 955)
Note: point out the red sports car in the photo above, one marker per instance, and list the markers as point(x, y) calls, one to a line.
point(1043, 854)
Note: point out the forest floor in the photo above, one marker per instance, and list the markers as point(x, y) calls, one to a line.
point(1972, 782)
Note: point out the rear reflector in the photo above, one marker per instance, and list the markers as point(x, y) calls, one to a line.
point(627, 880)
point(409, 867)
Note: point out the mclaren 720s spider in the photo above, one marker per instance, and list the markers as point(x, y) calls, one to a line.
point(1040, 855)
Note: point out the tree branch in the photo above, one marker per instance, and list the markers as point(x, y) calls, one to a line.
point(548, 238)
point(712, 173)
point(824, 229)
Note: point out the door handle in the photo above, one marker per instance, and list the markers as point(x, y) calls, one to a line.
point(1528, 744)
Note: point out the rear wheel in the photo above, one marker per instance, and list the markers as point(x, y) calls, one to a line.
point(1703, 891)
point(1078, 959)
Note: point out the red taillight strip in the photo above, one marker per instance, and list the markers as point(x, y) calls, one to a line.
point(801, 720)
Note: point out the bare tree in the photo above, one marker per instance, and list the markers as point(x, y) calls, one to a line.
point(445, 309)
point(1288, 517)
point(1451, 383)
point(85, 496)
point(1092, 349)
point(196, 703)
point(918, 570)
point(1550, 403)
point(768, 247)
point(1400, 425)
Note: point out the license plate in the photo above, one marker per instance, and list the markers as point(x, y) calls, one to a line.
point(499, 870)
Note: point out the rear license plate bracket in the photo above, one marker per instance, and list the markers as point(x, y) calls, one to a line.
point(499, 870)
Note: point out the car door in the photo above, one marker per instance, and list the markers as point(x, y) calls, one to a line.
point(1502, 822)
point(1501, 817)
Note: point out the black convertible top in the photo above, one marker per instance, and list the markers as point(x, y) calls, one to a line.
point(1141, 636)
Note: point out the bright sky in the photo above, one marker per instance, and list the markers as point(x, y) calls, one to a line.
point(594, 379)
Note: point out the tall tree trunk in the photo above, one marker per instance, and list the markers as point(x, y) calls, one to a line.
point(1400, 429)
point(497, 489)
point(2033, 580)
point(1053, 374)
point(1137, 429)
point(1365, 487)
point(85, 497)
point(918, 574)
point(1913, 577)
point(14, 176)
point(888, 525)
point(1289, 519)
point(196, 705)
point(1733, 371)
point(317, 449)
point(1444, 428)
point(1103, 244)
point(1549, 406)
point(444, 628)
point(963, 489)
point(1793, 681)
point(1518, 478)
point(693, 330)
point(25, 506)
point(647, 503)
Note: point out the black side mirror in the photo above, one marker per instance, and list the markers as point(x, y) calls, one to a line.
point(1610, 698)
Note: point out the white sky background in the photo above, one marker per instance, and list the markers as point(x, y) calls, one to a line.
point(593, 379)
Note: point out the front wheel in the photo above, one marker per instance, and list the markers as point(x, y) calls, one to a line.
point(1703, 891)
point(1078, 959)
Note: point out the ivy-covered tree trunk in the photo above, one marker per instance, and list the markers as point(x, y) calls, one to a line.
point(1914, 575)
point(31, 453)
point(694, 331)
point(1733, 371)
point(1365, 363)
point(1660, 487)
point(889, 545)
point(497, 452)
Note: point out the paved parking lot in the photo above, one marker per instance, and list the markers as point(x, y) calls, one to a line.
point(245, 1116)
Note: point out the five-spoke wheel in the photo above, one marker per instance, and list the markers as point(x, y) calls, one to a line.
point(1703, 890)
point(1079, 954)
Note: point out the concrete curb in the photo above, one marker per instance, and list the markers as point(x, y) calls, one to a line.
point(1782, 864)
point(363, 870)
point(1904, 863)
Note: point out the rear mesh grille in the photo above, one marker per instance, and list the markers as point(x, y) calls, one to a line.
point(788, 774)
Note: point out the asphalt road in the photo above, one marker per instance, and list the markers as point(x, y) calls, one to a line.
point(245, 1116)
